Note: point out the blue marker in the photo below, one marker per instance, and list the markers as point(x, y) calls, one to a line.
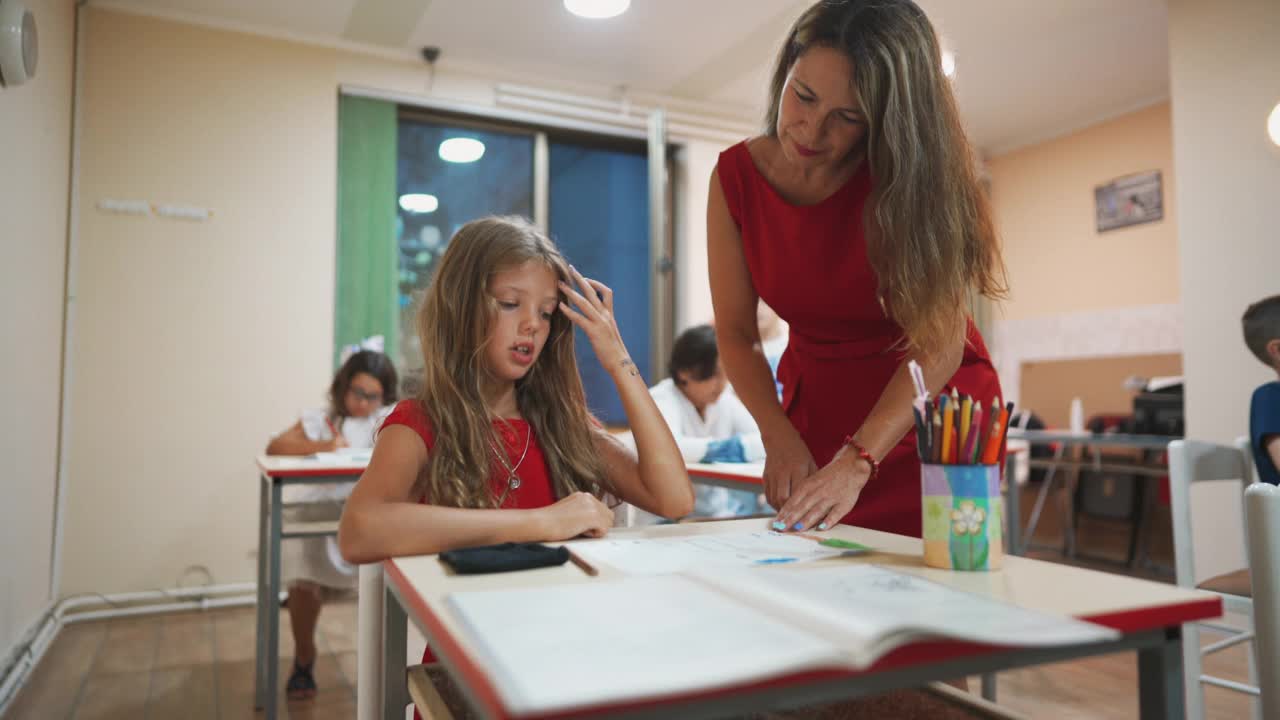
point(775, 561)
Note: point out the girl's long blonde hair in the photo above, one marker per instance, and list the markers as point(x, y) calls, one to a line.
point(930, 238)
point(454, 324)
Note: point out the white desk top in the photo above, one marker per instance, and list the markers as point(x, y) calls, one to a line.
point(1044, 437)
point(306, 466)
point(742, 472)
point(1123, 603)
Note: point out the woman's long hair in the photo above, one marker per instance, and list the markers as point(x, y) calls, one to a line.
point(454, 324)
point(930, 238)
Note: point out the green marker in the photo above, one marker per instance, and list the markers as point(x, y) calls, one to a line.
point(843, 544)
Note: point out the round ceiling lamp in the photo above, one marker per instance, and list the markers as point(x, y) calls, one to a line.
point(419, 203)
point(461, 150)
point(597, 9)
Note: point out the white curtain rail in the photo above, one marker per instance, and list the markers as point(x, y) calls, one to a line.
point(705, 116)
point(725, 135)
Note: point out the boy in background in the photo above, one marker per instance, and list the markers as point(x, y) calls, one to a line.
point(1262, 334)
point(709, 422)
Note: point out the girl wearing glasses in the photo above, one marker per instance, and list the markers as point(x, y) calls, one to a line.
point(362, 393)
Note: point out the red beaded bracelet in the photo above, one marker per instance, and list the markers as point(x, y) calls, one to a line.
point(862, 453)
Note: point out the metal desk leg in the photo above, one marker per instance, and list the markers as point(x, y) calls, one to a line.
point(273, 605)
point(395, 690)
point(264, 604)
point(1045, 487)
point(1012, 507)
point(1069, 507)
point(1160, 691)
point(989, 687)
point(369, 643)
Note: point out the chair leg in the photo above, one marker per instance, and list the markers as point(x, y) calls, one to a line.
point(1255, 703)
point(1191, 671)
point(1138, 520)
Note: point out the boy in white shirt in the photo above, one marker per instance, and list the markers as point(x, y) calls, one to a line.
point(709, 422)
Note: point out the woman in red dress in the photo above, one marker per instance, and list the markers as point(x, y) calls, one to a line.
point(859, 218)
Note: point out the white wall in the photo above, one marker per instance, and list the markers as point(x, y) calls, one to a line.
point(198, 340)
point(1225, 78)
point(35, 147)
point(693, 291)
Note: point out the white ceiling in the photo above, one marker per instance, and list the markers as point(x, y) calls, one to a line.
point(1026, 69)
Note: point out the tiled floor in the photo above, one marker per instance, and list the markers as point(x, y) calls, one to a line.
point(199, 666)
point(196, 666)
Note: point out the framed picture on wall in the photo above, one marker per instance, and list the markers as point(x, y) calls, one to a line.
point(1129, 200)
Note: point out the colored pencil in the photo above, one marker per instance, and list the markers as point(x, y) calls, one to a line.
point(578, 560)
point(936, 446)
point(948, 413)
point(997, 435)
point(975, 434)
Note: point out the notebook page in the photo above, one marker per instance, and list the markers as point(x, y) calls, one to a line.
point(560, 647)
point(653, 556)
point(868, 610)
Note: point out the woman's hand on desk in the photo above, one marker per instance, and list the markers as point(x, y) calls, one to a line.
point(578, 514)
point(828, 495)
point(787, 462)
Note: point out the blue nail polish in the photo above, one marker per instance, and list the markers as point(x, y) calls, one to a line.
point(822, 526)
point(798, 526)
point(779, 525)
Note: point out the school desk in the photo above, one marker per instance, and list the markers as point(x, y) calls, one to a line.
point(747, 476)
point(1148, 615)
point(275, 472)
point(735, 476)
point(1076, 452)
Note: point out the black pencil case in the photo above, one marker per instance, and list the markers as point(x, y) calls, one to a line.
point(504, 557)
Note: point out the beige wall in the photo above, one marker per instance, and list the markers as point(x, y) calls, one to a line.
point(35, 144)
point(1043, 202)
point(198, 340)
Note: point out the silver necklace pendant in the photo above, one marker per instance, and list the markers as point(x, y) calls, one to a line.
point(514, 481)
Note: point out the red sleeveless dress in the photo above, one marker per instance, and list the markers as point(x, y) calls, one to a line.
point(535, 489)
point(809, 263)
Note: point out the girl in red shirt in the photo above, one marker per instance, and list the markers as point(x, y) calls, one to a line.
point(499, 445)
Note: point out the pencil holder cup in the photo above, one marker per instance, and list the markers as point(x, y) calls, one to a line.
point(963, 516)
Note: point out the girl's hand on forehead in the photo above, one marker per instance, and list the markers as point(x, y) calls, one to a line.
point(592, 310)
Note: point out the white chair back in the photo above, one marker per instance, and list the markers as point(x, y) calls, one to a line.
point(1262, 507)
point(1191, 462)
point(1194, 461)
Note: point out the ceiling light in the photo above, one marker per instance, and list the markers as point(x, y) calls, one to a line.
point(948, 63)
point(597, 9)
point(461, 150)
point(419, 203)
point(1273, 125)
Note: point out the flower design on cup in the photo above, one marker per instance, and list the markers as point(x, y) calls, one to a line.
point(967, 519)
point(968, 529)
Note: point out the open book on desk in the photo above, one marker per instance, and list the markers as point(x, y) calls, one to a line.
point(560, 647)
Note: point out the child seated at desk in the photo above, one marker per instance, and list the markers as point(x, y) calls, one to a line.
point(708, 420)
point(359, 398)
point(1262, 334)
point(499, 445)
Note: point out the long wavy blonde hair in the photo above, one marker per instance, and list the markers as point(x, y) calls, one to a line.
point(930, 238)
point(454, 325)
